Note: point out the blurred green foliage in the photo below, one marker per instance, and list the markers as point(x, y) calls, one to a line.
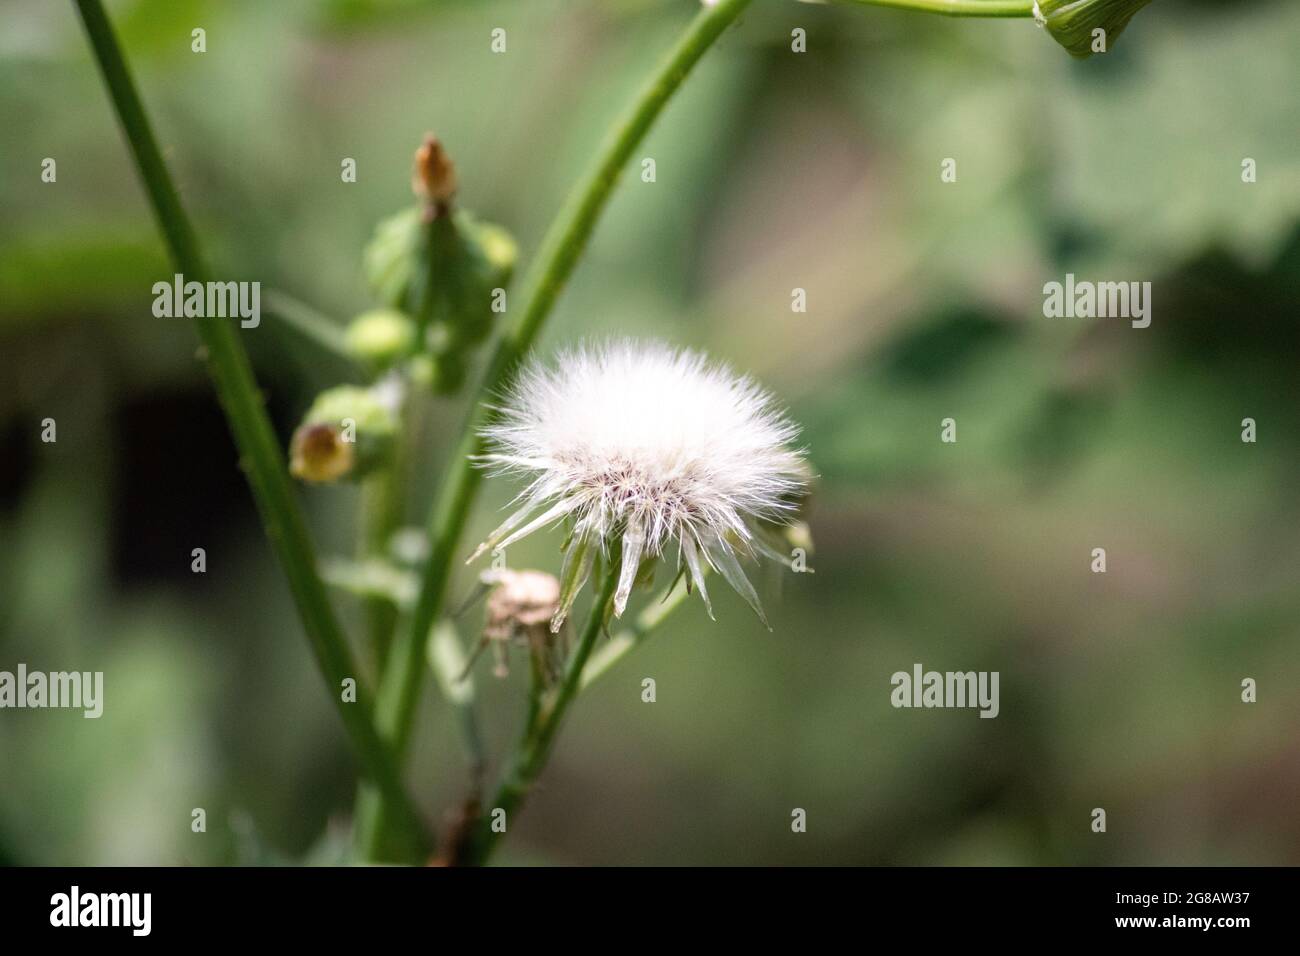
point(774, 171)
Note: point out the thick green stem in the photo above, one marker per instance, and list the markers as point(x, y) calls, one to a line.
point(956, 8)
point(539, 735)
point(564, 243)
point(260, 454)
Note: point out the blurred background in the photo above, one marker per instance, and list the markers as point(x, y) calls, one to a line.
point(775, 170)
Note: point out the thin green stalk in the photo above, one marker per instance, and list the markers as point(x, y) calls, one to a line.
point(956, 8)
point(260, 454)
point(382, 498)
point(449, 663)
point(622, 643)
point(310, 326)
point(381, 511)
point(539, 735)
point(564, 243)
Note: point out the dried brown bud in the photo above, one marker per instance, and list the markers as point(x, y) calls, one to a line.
point(347, 432)
point(434, 176)
point(519, 611)
point(521, 600)
point(319, 453)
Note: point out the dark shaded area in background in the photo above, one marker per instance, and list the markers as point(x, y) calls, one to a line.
point(177, 482)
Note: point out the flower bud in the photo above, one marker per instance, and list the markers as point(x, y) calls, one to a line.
point(347, 432)
point(441, 266)
point(380, 337)
point(443, 273)
point(434, 176)
point(1073, 23)
point(319, 454)
point(463, 260)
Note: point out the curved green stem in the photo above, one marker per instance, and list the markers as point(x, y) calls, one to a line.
point(260, 454)
point(449, 664)
point(956, 8)
point(539, 735)
point(310, 326)
point(631, 637)
point(564, 243)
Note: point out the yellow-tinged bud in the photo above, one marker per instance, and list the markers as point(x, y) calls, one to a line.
point(319, 454)
point(380, 337)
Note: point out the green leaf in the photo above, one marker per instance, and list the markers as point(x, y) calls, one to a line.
point(447, 660)
point(372, 578)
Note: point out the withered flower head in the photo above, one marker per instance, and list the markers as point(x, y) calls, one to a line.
point(520, 607)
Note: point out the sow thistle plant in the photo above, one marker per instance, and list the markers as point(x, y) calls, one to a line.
point(634, 452)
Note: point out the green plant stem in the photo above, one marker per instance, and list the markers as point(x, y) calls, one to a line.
point(631, 637)
point(312, 327)
point(539, 735)
point(955, 8)
point(381, 498)
point(563, 244)
point(260, 455)
point(448, 661)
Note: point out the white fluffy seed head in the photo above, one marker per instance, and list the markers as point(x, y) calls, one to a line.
point(645, 444)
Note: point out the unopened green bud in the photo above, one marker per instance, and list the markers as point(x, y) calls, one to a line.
point(389, 260)
point(468, 261)
point(380, 337)
point(420, 370)
point(445, 273)
point(439, 264)
point(347, 432)
point(1085, 27)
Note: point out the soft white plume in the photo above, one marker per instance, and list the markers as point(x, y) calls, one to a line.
point(643, 444)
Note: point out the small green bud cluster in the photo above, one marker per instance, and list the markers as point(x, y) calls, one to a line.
point(440, 275)
point(444, 269)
